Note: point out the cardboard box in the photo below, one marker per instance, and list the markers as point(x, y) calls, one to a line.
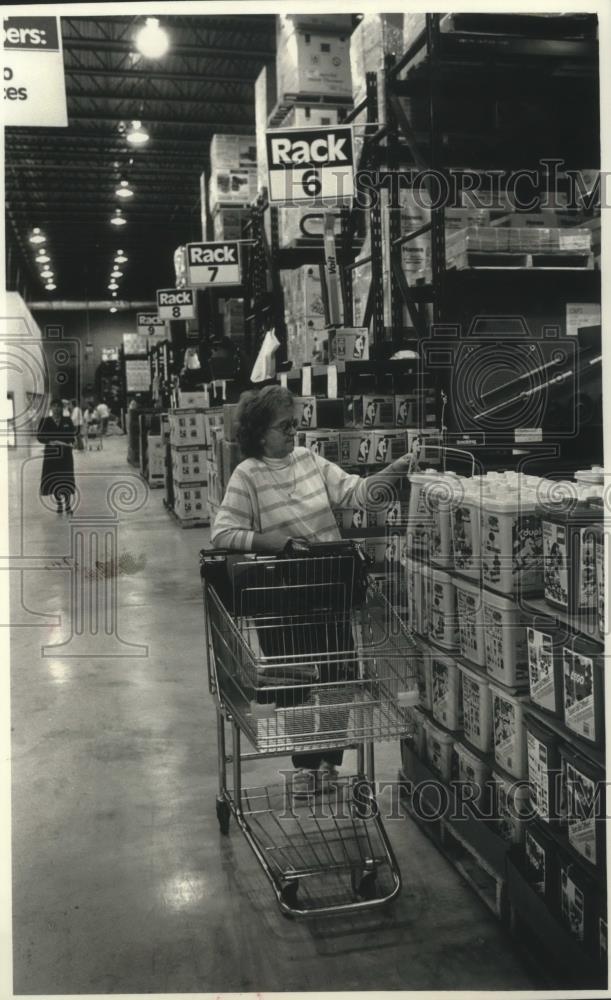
point(212, 420)
point(392, 515)
point(312, 412)
point(232, 152)
point(191, 502)
point(136, 343)
point(385, 553)
point(323, 442)
point(232, 311)
point(232, 187)
point(187, 427)
point(189, 464)
point(303, 116)
point(376, 36)
point(415, 409)
point(413, 25)
point(303, 299)
point(228, 223)
point(231, 457)
point(265, 102)
point(356, 447)
point(227, 421)
point(306, 345)
point(165, 428)
point(427, 441)
point(387, 445)
point(188, 400)
point(369, 411)
point(155, 458)
point(349, 344)
point(311, 62)
point(351, 517)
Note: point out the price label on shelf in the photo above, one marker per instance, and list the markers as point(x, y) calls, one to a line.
point(311, 165)
point(214, 264)
point(176, 303)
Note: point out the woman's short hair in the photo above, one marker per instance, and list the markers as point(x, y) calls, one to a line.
point(256, 411)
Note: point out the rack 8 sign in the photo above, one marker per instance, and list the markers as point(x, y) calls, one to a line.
point(176, 303)
point(310, 165)
point(214, 263)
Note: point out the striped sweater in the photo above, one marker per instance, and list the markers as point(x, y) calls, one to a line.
point(293, 495)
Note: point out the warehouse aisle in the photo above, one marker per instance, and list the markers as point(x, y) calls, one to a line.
point(122, 882)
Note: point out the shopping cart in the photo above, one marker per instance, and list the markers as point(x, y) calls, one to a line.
point(306, 655)
point(93, 436)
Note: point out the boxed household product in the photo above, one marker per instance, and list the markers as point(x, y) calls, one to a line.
point(369, 411)
point(356, 447)
point(505, 640)
point(188, 427)
point(439, 750)
point(188, 400)
point(374, 38)
point(383, 553)
point(311, 411)
point(303, 299)
point(585, 806)
point(578, 902)
point(569, 560)
point(388, 515)
point(232, 311)
point(413, 25)
point(584, 689)
point(509, 731)
point(215, 418)
point(156, 458)
point(325, 443)
point(301, 225)
point(306, 343)
point(512, 544)
point(420, 515)
point(476, 709)
point(311, 62)
point(443, 624)
point(228, 223)
point(511, 806)
point(447, 696)
point(165, 428)
point(189, 464)
point(466, 528)
point(309, 116)
point(231, 458)
point(265, 101)
point(543, 770)
point(349, 344)
point(191, 502)
point(415, 409)
point(544, 645)
point(442, 496)
point(232, 187)
point(470, 614)
point(473, 772)
point(135, 343)
point(231, 152)
point(350, 517)
point(540, 862)
point(387, 445)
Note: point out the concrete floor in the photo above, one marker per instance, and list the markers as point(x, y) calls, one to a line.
point(122, 881)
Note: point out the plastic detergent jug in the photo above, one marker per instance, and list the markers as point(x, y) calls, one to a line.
point(584, 689)
point(585, 806)
point(511, 806)
point(439, 747)
point(474, 772)
point(505, 640)
point(465, 519)
point(569, 573)
point(470, 614)
point(509, 731)
point(476, 709)
point(420, 516)
point(544, 643)
point(443, 627)
point(443, 496)
point(543, 769)
point(512, 543)
point(539, 861)
point(447, 700)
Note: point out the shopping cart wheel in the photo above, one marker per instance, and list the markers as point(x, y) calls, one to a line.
point(288, 893)
point(364, 883)
point(223, 812)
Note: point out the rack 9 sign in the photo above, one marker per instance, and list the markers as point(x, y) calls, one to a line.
point(176, 303)
point(310, 165)
point(214, 263)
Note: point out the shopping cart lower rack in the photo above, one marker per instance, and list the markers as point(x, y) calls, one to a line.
point(305, 655)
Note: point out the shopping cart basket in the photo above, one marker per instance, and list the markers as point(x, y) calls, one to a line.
point(304, 654)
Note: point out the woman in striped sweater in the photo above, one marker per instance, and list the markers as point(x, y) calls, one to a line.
point(281, 494)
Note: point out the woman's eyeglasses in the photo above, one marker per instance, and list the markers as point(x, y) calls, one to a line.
point(285, 426)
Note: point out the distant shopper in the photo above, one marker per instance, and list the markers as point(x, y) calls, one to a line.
point(56, 432)
point(103, 413)
point(77, 419)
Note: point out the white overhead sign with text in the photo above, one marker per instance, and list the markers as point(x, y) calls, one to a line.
point(214, 263)
point(150, 323)
point(176, 303)
point(311, 165)
point(33, 72)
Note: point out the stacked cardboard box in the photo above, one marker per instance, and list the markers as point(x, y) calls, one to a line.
point(228, 223)
point(377, 36)
point(265, 101)
point(155, 460)
point(311, 60)
point(304, 315)
point(232, 311)
point(309, 116)
point(233, 171)
point(189, 458)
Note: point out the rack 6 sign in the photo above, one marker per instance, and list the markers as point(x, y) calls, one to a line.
point(214, 263)
point(176, 303)
point(310, 165)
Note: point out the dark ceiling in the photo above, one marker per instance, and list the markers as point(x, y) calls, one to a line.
point(64, 179)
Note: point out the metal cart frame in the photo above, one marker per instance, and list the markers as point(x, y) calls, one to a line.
point(304, 654)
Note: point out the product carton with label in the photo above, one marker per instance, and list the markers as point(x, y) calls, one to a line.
point(415, 409)
point(234, 187)
point(351, 518)
point(312, 412)
point(303, 296)
point(350, 344)
point(188, 400)
point(304, 116)
point(228, 223)
point(324, 442)
point(189, 464)
point(370, 411)
point(375, 37)
point(191, 502)
point(309, 62)
point(231, 152)
point(187, 427)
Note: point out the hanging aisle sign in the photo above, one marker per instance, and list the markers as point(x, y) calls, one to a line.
point(310, 165)
point(213, 264)
point(33, 72)
point(150, 323)
point(176, 303)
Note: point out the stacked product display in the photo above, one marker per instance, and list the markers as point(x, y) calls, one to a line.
point(189, 451)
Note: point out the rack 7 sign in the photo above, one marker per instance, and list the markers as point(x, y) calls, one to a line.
point(214, 263)
point(176, 303)
point(310, 165)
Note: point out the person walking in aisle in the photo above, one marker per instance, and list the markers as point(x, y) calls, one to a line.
point(103, 413)
point(280, 495)
point(56, 432)
point(77, 419)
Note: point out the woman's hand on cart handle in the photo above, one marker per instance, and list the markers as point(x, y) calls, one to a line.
point(271, 542)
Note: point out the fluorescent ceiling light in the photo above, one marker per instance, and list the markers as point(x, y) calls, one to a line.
point(152, 41)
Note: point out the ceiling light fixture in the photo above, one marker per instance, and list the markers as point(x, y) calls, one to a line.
point(120, 257)
point(116, 274)
point(50, 286)
point(37, 236)
point(124, 190)
point(113, 285)
point(42, 257)
point(117, 219)
point(47, 273)
point(137, 135)
point(152, 40)
point(113, 309)
point(114, 295)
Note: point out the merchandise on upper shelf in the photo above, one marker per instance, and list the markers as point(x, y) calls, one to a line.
point(374, 38)
point(311, 62)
